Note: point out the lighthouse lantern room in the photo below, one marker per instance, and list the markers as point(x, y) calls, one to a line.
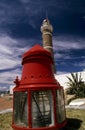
point(38, 99)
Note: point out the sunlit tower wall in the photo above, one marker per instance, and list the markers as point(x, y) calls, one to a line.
point(47, 30)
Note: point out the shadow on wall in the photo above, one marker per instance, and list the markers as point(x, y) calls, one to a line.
point(72, 124)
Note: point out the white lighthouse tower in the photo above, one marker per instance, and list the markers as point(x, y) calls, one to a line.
point(47, 30)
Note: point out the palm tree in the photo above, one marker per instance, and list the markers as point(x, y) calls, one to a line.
point(75, 85)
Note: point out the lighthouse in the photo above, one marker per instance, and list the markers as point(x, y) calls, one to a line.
point(38, 98)
point(47, 29)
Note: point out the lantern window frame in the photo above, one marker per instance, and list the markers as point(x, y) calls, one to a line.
point(29, 91)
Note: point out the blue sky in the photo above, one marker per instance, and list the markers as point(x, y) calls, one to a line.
point(20, 22)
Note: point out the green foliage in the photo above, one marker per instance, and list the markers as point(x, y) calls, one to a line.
point(75, 85)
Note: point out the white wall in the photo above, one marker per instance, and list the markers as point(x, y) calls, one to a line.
point(62, 79)
point(11, 89)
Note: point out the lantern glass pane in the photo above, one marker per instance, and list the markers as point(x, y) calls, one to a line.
point(60, 108)
point(42, 109)
point(21, 109)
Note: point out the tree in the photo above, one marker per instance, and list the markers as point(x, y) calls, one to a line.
point(75, 85)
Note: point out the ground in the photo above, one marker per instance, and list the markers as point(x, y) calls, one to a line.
point(6, 102)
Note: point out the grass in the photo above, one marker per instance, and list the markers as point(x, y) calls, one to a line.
point(5, 121)
point(75, 120)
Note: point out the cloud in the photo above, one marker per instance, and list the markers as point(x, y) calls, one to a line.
point(69, 5)
point(14, 15)
point(4, 49)
point(15, 12)
point(58, 55)
point(9, 60)
point(62, 56)
point(81, 64)
point(7, 52)
point(65, 50)
point(11, 51)
point(69, 51)
point(9, 11)
point(7, 63)
point(7, 78)
point(3, 88)
point(61, 72)
point(69, 43)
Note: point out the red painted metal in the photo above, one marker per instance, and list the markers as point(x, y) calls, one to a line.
point(37, 74)
point(29, 109)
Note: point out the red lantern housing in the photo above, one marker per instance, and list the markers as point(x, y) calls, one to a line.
point(38, 98)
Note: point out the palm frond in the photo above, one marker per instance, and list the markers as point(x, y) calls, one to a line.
point(76, 85)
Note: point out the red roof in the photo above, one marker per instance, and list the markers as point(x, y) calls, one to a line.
point(37, 49)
